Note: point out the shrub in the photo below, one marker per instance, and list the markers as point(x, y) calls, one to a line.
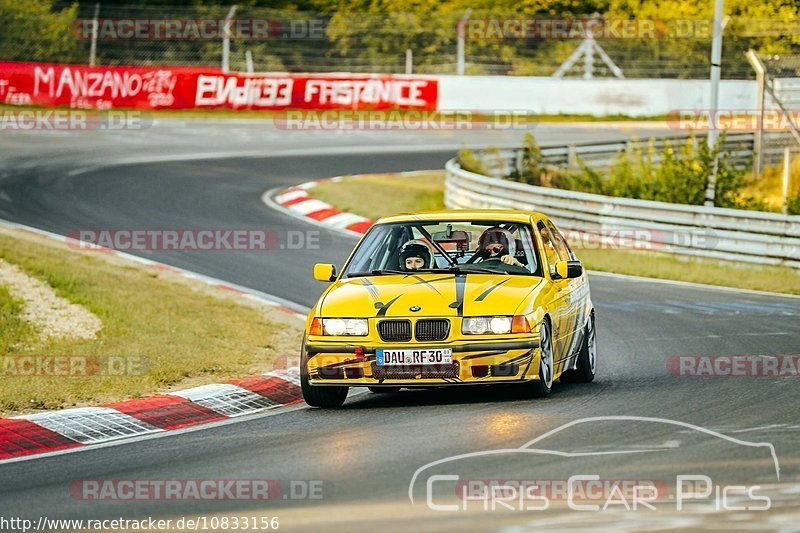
point(678, 176)
point(470, 162)
point(793, 205)
point(531, 165)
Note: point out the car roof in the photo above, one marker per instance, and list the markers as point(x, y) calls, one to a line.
point(445, 215)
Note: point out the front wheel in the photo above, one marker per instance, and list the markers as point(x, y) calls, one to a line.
point(587, 358)
point(325, 397)
point(542, 386)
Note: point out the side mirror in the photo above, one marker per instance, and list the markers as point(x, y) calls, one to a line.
point(324, 272)
point(568, 270)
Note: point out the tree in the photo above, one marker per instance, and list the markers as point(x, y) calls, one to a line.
point(33, 31)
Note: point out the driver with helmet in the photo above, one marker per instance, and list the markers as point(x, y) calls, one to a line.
point(415, 255)
point(496, 243)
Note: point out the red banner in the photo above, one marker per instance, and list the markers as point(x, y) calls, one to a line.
point(84, 87)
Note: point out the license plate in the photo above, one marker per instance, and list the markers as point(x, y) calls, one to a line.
point(427, 356)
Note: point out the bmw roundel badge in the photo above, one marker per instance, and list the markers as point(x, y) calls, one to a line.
point(414, 308)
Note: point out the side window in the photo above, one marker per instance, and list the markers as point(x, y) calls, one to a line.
point(531, 246)
point(548, 246)
point(561, 244)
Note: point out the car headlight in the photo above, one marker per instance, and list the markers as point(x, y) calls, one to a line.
point(341, 326)
point(491, 325)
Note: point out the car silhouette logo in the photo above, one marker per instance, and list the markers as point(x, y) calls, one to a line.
point(414, 308)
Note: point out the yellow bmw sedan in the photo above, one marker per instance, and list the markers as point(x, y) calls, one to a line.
point(451, 298)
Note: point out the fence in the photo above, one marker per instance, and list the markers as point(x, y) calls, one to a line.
point(731, 234)
point(376, 40)
point(778, 89)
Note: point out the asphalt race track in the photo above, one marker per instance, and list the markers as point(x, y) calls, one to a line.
point(366, 454)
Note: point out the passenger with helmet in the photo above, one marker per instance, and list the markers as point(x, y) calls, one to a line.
point(415, 255)
point(498, 243)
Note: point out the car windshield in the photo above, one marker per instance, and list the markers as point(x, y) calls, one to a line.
point(492, 247)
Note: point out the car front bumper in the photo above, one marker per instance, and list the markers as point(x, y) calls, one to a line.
point(474, 362)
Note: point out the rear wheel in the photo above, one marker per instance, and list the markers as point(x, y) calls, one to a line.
point(326, 397)
point(542, 386)
point(383, 390)
point(587, 358)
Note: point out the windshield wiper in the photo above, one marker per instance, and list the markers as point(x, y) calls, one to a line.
point(446, 270)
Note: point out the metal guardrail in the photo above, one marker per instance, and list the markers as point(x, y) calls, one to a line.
point(600, 155)
point(750, 236)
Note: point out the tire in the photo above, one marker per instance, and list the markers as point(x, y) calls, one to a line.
point(325, 397)
point(383, 390)
point(541, 387)
point(586, 367)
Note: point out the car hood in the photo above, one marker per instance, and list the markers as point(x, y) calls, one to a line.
point(435, 295)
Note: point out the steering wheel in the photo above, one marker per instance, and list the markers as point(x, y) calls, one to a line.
point(495, 262)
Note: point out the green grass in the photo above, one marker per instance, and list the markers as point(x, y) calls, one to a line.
point(695, 270)
point(376, 195)
point(15, 331)
point(187, 333)
point(768, 188)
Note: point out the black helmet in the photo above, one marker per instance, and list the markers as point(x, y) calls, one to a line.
point(498, 239)
point(416, 248)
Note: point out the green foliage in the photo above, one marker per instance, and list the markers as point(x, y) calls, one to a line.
point(793, 205)
point(15, 330)
point(768, 189)
point(373, 35)
point(531, 168)
point(470, 162)
point(678, 174)
point(493, 163)
point(33, 31)
point(377, 30)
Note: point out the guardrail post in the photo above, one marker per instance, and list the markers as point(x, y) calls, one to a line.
point(787, 170)
point(758, 66)
point(226, 40)
point(461, 31)
point(93, 46)
point(572, 157)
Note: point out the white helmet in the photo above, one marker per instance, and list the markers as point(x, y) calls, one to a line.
point(416, 248)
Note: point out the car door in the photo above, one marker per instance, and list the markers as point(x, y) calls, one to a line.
point(578, 294)
point(560, 315)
